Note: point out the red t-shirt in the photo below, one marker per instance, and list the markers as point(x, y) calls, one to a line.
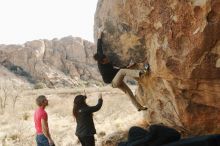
point(39, 114)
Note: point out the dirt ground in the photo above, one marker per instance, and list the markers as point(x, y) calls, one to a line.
point(115, 117)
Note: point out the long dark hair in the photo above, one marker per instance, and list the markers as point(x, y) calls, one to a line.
point(78, 103)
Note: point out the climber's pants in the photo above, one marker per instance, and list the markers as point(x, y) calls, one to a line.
point(119, 77)
point(118, 82)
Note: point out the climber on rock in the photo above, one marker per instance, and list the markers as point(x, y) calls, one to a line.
point(115, 76)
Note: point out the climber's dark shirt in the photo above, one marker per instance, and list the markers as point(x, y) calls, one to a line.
point(107, 71)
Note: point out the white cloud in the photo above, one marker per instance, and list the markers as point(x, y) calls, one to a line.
point(25, 20)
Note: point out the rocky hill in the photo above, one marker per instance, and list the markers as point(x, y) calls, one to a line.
point(181, 41)
point(59, 62)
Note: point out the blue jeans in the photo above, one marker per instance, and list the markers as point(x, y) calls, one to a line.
point(42, 140)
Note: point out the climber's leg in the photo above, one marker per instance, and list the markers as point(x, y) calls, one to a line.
point(130, 94)
point(122, 73)
point(119, 83)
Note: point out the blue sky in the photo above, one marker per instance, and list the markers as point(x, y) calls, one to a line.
point(26, 20)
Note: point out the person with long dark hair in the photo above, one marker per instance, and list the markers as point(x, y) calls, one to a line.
point(83, 114)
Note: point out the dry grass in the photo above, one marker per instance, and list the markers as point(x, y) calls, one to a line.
point(112, 121)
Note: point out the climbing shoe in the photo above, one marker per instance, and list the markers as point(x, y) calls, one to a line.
point(142, 108)
point(145, 70)
point(147, 67)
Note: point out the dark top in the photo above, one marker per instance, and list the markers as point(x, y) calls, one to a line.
point(107, 71)
point(156, 135)
point(85, 125)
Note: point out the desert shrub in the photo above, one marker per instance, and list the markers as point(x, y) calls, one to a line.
point(39, 85)
point(14, 137)
point(5, 93)
point(101, 134)
point(114, 138)
point(9, 92)
point(25, 116)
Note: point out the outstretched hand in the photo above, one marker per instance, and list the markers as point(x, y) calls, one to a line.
point(131, 64)
point(100, 95)
point(84, 92)
point(100, 32)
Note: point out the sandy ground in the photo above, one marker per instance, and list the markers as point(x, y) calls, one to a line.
point(116, 115)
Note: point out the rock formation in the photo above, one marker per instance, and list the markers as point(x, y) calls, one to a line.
point(181, 41)
point(63, 62)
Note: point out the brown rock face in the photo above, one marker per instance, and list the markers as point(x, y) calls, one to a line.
point(64, 62)
point(181, 41)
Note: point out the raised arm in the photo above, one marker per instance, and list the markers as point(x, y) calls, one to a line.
point(99, 45)
point(95, 108)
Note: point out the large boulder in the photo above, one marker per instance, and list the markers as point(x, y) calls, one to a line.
point(57, 63)
point(181, 42)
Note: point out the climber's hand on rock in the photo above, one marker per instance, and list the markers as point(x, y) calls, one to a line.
point(100, 95)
